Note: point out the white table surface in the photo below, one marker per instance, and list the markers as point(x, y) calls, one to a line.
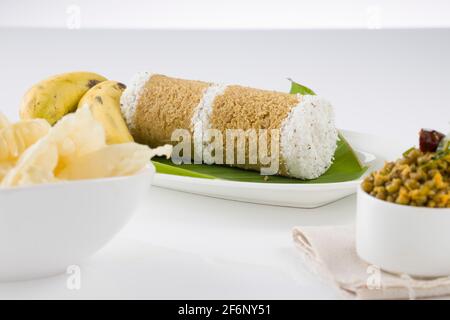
point(186, 246)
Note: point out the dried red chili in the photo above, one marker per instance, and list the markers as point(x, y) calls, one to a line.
point(429, 140)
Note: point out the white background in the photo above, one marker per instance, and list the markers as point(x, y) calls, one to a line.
point(383, 81)
point(234, 14)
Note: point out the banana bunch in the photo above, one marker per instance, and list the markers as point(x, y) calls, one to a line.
point(104, 101)
point(53, 98)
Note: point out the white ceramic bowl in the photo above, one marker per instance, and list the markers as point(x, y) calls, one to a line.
point(46, 228)
point(403, 239)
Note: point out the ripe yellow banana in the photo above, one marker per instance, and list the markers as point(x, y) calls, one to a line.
point(104, 102)
point(54, 97)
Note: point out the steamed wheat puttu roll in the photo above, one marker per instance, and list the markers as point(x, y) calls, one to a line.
point(155, 105)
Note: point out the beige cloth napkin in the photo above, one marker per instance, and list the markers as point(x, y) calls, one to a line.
point(330, 252)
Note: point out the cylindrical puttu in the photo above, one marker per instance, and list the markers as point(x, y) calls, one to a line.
point(155, 105)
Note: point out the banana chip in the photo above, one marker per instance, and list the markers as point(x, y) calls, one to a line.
point(75, 135)
point(5, 167)
point(16, 138)
point(4, 122)
point(75, 148)
point(110, 161)
point(35, 165)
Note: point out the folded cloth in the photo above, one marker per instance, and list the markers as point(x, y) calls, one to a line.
point(330, 252)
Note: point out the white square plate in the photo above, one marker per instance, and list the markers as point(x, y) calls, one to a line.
point(372, 150)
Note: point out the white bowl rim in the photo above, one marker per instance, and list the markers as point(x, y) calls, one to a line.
point(416, 210)
point(64, 183)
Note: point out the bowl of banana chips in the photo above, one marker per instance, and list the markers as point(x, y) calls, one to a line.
point(64, 192)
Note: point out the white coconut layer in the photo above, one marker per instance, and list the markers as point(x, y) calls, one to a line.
point(130, 97)
point(201, 122)
point(308, 138)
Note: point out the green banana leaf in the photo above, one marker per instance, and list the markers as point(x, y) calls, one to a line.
point(346, 165)
point(298, 88)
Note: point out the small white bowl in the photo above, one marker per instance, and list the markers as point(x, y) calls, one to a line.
point(46, 228)
point(403, 239)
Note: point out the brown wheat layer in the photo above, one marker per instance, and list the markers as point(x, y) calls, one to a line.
point(248, 108)
point(165, 104)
